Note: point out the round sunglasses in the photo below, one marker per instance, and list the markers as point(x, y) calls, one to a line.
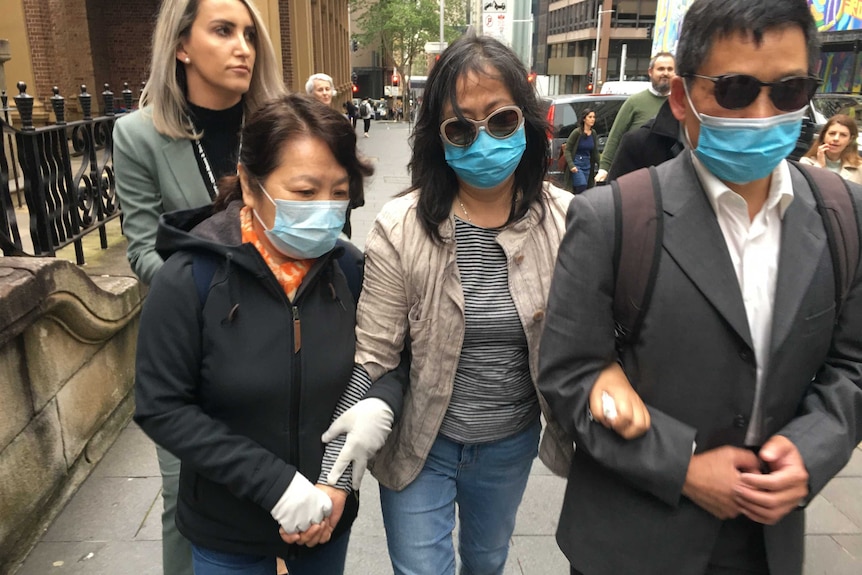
point(736, 91)
point(499, 124)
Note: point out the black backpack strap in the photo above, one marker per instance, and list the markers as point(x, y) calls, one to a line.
point(352, 264)
point(637, 248)
point(838, 212)
point(203, 269)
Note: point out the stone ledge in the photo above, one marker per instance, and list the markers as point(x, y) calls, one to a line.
point(33, 287)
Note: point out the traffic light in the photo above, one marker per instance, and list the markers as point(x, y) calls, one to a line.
point(354, 44)
point(354, 77)
point(531, 77)
point(355, 88)
point(589, 82)
point(394, 79)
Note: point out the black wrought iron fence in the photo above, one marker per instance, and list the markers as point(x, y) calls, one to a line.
point(65, 171)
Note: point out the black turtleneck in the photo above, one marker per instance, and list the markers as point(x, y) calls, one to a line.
point(220, 139)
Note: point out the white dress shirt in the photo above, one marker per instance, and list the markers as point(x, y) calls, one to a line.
point(754, 245)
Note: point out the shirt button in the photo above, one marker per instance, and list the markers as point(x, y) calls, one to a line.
point(745, 355)
point(539, 315)
point(739, 421)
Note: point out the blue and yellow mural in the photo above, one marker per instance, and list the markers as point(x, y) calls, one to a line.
point(837, 15)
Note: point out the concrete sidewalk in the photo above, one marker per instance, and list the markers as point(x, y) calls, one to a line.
point(112, 524)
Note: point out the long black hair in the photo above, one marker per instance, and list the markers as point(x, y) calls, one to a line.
point(430, 174)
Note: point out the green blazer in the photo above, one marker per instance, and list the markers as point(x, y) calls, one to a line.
point(154, 174)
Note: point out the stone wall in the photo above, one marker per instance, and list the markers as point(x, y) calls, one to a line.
point(67, 350)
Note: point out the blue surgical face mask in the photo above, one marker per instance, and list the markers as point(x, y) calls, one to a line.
point(304, 229)
point(742, 150)
point(488, 161)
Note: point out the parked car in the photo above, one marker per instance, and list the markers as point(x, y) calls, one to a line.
point(563, 114)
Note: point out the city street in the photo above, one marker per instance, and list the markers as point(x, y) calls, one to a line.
point(112, 524)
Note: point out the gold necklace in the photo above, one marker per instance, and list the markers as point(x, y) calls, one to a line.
point(466, 215)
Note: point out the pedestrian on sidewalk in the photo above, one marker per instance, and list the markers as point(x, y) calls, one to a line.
point(247, 342)
point(321, 87)
point(458, 270)
point(205, 77)
point(366, 112)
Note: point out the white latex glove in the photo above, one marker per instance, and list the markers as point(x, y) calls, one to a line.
point(301, 506)
point(601, 175)
point(367, 425)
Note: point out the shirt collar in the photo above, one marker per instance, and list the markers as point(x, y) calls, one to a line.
point(655, 92)
point(780, 187)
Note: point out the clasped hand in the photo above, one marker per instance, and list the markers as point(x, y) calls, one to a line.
point(728, 481)
point(319, 533)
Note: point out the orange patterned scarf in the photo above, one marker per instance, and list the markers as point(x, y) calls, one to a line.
point(290, 273)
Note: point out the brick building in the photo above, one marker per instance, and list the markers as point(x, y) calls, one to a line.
point(67, 43)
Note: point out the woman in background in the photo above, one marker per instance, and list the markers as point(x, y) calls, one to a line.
point(321, 87)
point(212, 64)
point(582, 154)
point(836, 148)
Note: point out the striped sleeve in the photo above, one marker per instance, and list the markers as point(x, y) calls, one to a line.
point(357, 387)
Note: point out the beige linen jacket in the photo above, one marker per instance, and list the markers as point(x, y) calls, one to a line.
point(848, 172)
point(412, 289)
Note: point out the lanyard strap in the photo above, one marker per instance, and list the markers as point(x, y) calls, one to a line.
point(203, 156)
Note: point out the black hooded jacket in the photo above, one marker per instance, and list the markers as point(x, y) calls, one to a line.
point(238, 381)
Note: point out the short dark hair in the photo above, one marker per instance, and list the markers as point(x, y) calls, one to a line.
point(708, 20)
point(277, 122)
point(660, 55)
point(430, 174)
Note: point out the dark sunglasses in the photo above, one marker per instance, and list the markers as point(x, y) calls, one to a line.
point(735, 91)
point(500, 124)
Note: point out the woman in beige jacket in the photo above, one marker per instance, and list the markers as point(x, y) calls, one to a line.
point(459, 269)
point(836, 149)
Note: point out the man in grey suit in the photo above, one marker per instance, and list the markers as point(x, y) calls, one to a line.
point(751, 374)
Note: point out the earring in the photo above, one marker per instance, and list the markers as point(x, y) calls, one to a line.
point(188, 60)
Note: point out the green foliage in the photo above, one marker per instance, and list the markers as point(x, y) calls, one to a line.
point(402, 27)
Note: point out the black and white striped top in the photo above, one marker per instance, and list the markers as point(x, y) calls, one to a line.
point(493, 395)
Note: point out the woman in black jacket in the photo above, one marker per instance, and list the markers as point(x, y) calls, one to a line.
point(246, 344)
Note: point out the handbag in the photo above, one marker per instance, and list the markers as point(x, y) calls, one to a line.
point(561, 159)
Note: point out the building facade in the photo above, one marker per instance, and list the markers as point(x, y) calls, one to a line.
point(569, 30)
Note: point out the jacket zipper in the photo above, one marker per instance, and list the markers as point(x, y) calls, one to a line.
point(296, 388)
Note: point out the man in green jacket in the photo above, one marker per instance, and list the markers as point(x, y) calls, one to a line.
point(639, 108)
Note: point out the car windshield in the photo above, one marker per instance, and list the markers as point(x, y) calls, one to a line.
point(827, 105)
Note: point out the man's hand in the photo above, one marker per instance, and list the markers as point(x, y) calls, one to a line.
point(632, 419)
point(713, 478)
point(321, 532)
point(367, 425)
point(574, 170)
point(768, 498)
point(601, 175)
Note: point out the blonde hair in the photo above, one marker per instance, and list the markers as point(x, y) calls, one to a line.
point(164, 93)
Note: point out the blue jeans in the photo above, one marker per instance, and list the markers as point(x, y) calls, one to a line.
point(327, 559)
point(486, 481)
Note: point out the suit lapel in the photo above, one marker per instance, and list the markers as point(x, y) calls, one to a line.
point(693, 238)
point(180, 159)
point(802, 243)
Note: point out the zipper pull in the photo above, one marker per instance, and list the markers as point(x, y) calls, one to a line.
point(297, 331)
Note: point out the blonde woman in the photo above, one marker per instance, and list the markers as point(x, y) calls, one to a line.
point(836, 149)
point(212, 64)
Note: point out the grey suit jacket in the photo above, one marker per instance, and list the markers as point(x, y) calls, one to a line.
point(694, 367)
point(155, 174)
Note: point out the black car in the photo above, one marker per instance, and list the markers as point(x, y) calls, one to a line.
point(564, 111)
